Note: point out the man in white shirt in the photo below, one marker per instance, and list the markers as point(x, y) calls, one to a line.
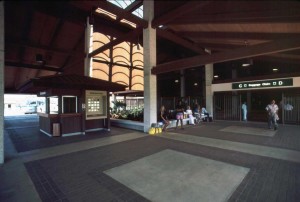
point(272, 110)
point(244, 109)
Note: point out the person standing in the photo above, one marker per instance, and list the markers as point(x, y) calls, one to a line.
point(244, 110)
point(179, 114)
point(164, 118)
point(272, 110)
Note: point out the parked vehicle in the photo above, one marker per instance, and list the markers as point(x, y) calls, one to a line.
point(33, 107)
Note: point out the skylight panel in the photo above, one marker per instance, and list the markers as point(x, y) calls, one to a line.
point(121, 3)
point(139, 11)
point(125, 3)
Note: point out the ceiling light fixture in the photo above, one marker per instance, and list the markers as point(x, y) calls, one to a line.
point(39, 58)
point(248, 61)
point(216, 76)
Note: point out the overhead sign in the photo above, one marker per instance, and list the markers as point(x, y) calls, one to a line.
point(263, 84)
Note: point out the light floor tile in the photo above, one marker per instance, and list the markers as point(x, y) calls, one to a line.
point(175, 176)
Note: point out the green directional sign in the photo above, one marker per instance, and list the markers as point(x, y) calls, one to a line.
point(263, 83)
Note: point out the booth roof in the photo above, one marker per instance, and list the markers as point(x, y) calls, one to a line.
point(70, 81)
point(129, 93)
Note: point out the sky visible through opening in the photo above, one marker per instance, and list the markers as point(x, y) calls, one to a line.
point(125, 3)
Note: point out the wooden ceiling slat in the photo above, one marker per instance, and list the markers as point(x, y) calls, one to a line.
point(247, 12)
point(69, 59)
point(31, 66)
point(44, 48)
point(238, 35)
point(169, 16)
point(180, 41)
point(240, 53)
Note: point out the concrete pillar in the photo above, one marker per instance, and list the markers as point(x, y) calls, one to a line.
point(209, 73)
point(249, 105)
point(88, 63)
point(1, 82)
point(182, 83)
point(150, 91)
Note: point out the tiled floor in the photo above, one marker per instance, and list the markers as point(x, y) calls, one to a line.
point(25, 134)
point(82, 174)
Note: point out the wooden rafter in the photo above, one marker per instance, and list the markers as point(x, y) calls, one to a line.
point(180, 41)
point(121, 13)
point(240, 53)
point(31, 66)
point(238, 35)
point(44, 48)
point(169, 16)
point(284, 13)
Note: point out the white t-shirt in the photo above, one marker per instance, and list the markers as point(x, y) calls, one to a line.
point(188, 111)
point(244, 107)
point(272, 109)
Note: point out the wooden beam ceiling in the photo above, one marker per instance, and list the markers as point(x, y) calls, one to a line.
point(42, 47)
point(240, 53)
point(119, 12)
point(180, 41)
point(31, 66)
point(286, 13)
point(238, 35)
point(175, 13)
point(125, 37)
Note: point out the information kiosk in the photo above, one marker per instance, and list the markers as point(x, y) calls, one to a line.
point(74, 104)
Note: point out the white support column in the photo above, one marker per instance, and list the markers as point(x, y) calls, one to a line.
point(209, 73)
point(150, 91)
point(88, 63)
point(1, 82)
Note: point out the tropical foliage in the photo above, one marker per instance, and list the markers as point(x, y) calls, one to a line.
point(119, 111)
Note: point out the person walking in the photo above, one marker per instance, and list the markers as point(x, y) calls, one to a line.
point(272, 110)
point(244, 110)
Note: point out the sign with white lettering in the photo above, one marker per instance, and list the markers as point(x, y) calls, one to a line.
point(263, 84)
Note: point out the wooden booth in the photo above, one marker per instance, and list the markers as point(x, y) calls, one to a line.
point(74, 104)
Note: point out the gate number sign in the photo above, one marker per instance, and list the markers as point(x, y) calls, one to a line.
point(263, 84)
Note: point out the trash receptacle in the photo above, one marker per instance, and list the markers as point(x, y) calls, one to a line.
point(56, 129)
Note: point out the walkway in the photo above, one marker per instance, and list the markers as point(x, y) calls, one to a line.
point(218, 161)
